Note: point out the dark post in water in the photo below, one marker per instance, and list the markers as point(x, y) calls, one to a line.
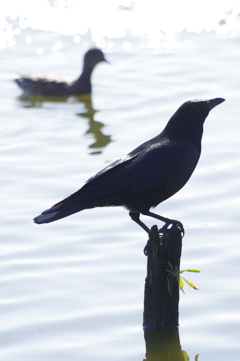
point(161, 289)
point(160, 317)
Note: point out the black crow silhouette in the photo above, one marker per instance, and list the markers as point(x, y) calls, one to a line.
point(149, 174)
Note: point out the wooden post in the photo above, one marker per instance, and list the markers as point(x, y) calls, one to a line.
point(160, 305)
point(160, 316)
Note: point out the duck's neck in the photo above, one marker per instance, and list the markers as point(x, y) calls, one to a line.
point(83, 84)
point(87, 69)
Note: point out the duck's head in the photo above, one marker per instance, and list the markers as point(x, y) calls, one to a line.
point(93, 57)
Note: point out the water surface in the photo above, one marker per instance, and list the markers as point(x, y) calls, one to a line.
point(74, 289)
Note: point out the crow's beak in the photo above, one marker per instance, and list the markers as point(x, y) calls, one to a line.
point(214, 102)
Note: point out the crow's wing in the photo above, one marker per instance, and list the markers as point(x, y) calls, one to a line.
point(129, 157)
point(169, 164)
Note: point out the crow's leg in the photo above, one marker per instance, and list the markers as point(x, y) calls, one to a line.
point(167, 222)
point(136, 218)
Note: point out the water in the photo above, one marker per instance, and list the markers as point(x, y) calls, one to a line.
point(74, 289)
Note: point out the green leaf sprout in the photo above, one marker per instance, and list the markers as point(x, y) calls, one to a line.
point(174, 272)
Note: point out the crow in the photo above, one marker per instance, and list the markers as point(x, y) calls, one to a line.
point(53, 88)
point(148, 175)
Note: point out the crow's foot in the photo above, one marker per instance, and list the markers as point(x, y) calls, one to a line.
point(173, 222)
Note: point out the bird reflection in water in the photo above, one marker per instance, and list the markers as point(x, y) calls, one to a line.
point(95, 127)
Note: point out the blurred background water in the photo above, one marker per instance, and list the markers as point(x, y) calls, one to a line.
point(74, 289)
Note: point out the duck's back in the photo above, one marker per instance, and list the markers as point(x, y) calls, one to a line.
point(42, 87)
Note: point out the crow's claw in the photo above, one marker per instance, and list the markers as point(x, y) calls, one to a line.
point(173, 222)
point(180, 226)
point(145, 250)
point(163, 229)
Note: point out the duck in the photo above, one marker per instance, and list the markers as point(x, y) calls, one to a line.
point(52, 88)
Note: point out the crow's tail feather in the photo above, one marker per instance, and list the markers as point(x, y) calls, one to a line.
point(64, 208)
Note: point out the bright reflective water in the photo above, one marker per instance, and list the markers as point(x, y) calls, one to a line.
point(74, 289)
